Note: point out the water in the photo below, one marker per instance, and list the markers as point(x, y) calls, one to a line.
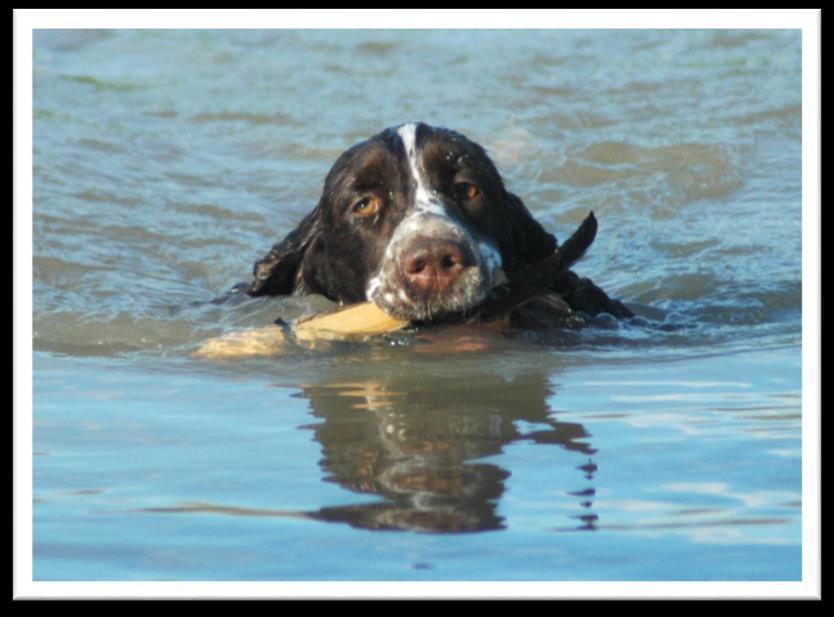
point(667, 448)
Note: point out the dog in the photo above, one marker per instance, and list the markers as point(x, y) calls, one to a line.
point(417, 220)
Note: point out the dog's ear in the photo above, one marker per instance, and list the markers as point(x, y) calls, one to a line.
point(530, 241)
point(277, 272)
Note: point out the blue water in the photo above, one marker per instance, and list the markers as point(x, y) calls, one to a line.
point(222, 479)
point(668, 448)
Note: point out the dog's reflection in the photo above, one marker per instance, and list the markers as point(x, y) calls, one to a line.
point(422, 444)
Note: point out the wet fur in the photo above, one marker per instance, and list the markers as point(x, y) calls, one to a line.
point(335, 254)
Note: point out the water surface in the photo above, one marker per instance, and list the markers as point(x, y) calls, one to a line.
point(663, 448)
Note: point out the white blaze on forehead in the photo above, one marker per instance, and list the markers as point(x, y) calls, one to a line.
point(408, 133)
point(424, 198)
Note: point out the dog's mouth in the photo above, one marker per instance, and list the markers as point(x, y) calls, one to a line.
point(487, 293)
point(406, 304)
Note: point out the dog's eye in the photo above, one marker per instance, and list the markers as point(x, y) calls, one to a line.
point(466, 191)
point(368, 206)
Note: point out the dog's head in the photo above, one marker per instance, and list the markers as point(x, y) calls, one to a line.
point(415, 219)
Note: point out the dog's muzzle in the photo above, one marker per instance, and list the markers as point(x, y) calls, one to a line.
point(433, 267)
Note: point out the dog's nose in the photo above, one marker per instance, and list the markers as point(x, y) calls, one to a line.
point(432, 266)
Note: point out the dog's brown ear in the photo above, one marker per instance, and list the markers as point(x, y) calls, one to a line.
point(277, 272)
point(530, 241)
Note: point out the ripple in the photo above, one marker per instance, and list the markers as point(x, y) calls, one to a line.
point(275, 118)
point(101, 84)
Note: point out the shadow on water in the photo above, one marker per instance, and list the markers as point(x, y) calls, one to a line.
point(419, 428)
point(424, 447)
point(420, 441)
